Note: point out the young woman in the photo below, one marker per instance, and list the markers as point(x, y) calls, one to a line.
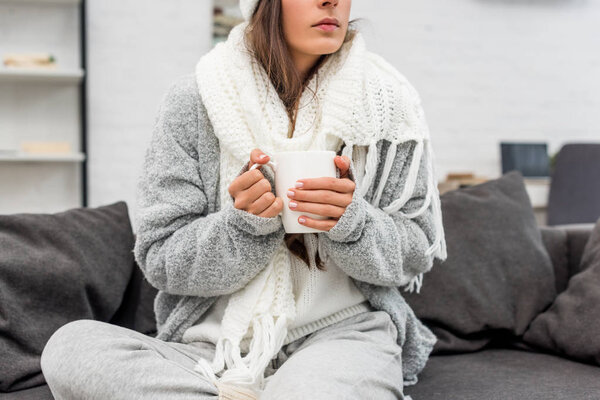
point(244, 309)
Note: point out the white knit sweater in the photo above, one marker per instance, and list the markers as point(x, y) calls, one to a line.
point(322, 298)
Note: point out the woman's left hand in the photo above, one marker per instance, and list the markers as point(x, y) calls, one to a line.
point(325, 196)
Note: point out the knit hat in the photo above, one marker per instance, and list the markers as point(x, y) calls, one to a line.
point(248, 7)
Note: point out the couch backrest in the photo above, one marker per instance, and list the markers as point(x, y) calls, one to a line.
point(565, 245)
point(137, 308)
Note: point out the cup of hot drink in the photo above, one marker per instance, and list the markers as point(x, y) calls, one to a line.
point(290, 166)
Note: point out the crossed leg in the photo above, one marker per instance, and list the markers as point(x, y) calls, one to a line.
point(87, 359)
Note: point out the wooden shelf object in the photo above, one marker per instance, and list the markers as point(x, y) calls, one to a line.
point(40, 75)
point(60, 2)
point(41, 157)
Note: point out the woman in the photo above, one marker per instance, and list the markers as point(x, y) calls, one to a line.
point(245, 310)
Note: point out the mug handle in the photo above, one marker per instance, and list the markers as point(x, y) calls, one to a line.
point(270, 163)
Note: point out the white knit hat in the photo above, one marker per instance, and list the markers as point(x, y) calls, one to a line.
point(248, 7)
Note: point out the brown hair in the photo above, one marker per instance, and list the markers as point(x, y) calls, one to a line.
point(265, 39)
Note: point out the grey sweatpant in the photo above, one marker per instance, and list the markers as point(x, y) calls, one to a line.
point(355, 358)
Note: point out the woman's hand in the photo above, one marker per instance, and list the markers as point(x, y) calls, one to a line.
point(252, 191)
point(325, 196)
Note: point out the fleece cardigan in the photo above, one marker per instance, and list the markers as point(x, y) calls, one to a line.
point(193, 252)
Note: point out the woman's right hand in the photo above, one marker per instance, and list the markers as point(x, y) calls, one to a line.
point(252, 191)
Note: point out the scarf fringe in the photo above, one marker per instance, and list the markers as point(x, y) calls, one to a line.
point(438, 247)
point(415, 283)
point(389, 160)
point(231, 392)
point(246, 372)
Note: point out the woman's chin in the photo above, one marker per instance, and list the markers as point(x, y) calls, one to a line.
point(324, 45)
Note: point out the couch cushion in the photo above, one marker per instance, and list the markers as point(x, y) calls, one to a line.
point(565, 244)
point(498, 275)
point(555, 241)
point(35, 393)
point(56, 268)
point(577, 238)
point(505, 374)
point(571, 325)
point(137, 309)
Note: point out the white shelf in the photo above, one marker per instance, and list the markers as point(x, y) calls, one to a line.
point(40, 75)
point(74, 2)
point(541, 180)
point(41, 157)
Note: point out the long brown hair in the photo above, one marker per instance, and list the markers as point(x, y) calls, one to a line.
point(265, 39)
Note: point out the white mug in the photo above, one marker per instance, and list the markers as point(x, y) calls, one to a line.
point(290, 166)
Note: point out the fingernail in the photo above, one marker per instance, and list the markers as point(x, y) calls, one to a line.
point(299, 184)
point(262, 156)
point(290, 193)
point(293, 204)
point(302, 220)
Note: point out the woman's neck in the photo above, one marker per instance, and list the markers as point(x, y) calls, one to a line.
point(304, 62)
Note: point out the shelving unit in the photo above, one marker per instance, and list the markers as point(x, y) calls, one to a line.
point(47, 104)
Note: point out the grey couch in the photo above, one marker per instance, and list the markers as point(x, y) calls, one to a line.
point(514, 371)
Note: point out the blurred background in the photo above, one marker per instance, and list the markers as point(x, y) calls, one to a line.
point(505, 85)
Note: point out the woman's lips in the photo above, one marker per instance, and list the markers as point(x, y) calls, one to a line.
point(327, 27)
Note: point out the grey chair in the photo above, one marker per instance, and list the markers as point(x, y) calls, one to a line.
point(575, 185)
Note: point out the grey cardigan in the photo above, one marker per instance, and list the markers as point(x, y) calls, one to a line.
point(193, 252)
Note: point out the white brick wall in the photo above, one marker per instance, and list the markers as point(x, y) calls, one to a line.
point(493, 70)
point(486, 70)
point(136, 49)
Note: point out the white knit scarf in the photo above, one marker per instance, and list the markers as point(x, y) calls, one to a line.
point(361, 99)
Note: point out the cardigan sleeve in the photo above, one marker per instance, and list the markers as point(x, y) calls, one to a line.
point(181, 248)
point(380, 248)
